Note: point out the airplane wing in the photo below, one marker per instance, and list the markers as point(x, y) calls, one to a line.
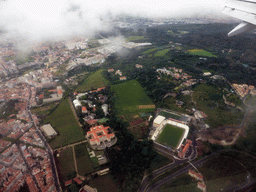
point(244, 10)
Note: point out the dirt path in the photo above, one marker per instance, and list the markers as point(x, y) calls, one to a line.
point(74, 155)
point(71, 145)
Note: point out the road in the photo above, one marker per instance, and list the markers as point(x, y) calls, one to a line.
point(146, 186)
point(48, 148)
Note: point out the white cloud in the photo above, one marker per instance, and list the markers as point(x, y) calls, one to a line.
point(54, 19)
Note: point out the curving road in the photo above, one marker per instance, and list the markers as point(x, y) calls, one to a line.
point(147, 186)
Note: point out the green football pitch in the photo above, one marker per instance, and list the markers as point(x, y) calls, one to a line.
point(170, 136)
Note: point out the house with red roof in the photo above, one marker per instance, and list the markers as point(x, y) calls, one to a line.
point(84, 109)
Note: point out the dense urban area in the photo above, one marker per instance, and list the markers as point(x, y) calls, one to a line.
point(153, 105)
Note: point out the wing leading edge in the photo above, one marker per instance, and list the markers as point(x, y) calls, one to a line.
point(243, 10)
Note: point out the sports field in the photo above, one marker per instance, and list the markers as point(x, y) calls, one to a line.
point(200, 52)
point(129, 96)
point(63, 121)
point(170, 136)
point(94, 81)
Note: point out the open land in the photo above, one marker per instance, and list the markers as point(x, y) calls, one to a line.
point(200, 52)
point(104, 183)
point(209, 99)
point(84, 164)
point(170, 135)
point(63, 121)
point(94, 81)
point(219, 173)
point(66, 163)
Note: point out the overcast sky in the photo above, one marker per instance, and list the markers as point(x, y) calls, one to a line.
point(52, 19)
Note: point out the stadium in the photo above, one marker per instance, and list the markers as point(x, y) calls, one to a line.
point(169, 131)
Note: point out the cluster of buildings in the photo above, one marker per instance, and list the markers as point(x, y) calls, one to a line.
point(198, 176)
point(19, 164)
point(96, 59)
point(42, 78)
point(31, 137)
point(89, 102)
point(118, 72)
point(7, 67)
point(243, 89)
point(178, 74)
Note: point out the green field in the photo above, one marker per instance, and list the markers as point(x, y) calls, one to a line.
point(66, 162)
point(135, 38)
point(94, 81)
point(200, 52)
point(128, 96)
point(161, 53)
point(170, 136)
point(83, 161)
point(63, 121)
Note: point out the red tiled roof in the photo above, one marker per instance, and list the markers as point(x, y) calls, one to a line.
point(92, 121)
point(69, 182)
point(78, 181)
point(84, 109)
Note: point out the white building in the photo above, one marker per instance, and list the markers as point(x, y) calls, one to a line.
point(48, 130)
point(105, 108)
point(158, 120)
point(77, 103)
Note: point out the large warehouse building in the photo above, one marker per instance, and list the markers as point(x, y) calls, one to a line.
point(48, 131)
